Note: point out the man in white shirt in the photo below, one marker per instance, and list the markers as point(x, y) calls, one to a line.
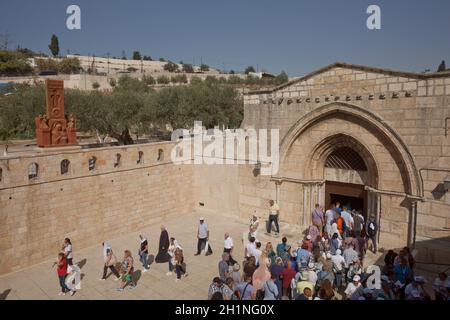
point(350, 255)
point(228, 248)
point(203, 236)
point(352, 287)
point(338, 266)
point(414, 290)
point(250, 248)
point(274, 212)
point(329, 219)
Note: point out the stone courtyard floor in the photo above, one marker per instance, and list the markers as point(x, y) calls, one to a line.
point(41, 282)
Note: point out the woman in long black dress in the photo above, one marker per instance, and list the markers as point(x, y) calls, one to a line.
point(163, 255)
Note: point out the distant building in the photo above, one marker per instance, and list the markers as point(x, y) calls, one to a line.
point(261, 75)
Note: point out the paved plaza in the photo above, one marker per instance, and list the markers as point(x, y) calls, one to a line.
point(41, 282)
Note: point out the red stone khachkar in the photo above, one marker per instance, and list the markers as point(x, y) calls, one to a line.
point(54, 128)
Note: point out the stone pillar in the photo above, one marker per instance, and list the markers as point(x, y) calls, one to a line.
point(277, 191)
point(377, 208)
point(305, 203)
point(412, 224)
point(321, 196)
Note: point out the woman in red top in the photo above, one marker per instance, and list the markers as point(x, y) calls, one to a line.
point(61, 270)
point(287, 275)
point(340, 223)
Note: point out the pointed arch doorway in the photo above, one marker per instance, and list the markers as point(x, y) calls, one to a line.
point(346, 174)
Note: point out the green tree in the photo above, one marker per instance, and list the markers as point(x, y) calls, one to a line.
point(281, 78)
point(196, 80)
point(54, 45)
point(14, 64)
point(129, 84)
point(170, 66)
point(136, 55)
point(26, 52)
point(234, 80)
point(187, 68)
point(69, 66)
point(204, 67)
point(180, 78)
point(131, 107)
point(442, 67)
point(249, 69)
point(163, 80)
point(147, 58)
point(148, 80)
point(162, 60)
point(95, 85)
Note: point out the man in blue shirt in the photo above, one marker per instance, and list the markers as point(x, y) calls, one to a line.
point(281, 247)
point(402, 271)
point(303, 256)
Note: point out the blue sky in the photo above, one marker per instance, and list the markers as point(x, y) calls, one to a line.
point(296, 36)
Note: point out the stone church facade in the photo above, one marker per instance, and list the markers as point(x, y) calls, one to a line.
point(373, 137)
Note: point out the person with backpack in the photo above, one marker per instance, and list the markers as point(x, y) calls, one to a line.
point(245, 289)
point(270, 288)
point(371, 230)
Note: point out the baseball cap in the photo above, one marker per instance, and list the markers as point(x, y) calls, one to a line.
point(356, 278)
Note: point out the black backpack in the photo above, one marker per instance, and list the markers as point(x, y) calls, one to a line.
point(372, 232)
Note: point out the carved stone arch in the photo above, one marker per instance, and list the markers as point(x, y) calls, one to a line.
point(372, 122)
point(317, 158)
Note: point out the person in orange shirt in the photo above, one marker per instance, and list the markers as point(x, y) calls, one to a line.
point(340, 223)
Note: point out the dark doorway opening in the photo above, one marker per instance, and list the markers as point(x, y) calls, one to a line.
point(349, 202)
point(349, 194)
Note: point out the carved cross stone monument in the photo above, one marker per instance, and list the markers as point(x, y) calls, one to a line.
point(54, 128)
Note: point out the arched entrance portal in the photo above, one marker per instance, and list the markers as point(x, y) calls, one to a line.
point(345, 175)
point(347, 168)
point(318, 162)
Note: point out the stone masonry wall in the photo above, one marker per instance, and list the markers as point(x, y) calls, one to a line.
point(86, 206)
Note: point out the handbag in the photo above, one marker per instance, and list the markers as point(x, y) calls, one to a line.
point(206, 246)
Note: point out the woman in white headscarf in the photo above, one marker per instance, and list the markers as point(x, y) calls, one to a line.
point(110, 260)
point(174, 245)
point(334, 229)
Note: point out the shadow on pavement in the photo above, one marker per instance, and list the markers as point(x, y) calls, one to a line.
point(136, 276)
point(81, 263)
point(4, 294)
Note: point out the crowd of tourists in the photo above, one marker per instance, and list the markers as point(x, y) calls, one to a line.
point(327, 264)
